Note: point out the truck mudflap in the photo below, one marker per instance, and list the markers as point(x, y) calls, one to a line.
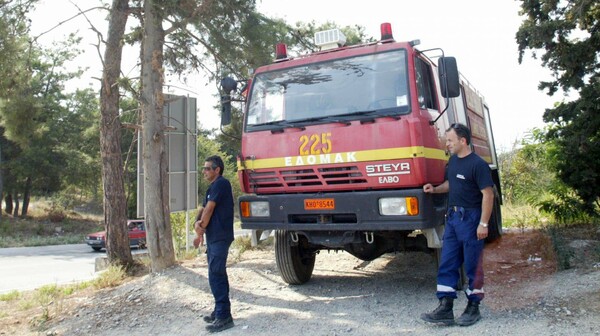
point(347, 211)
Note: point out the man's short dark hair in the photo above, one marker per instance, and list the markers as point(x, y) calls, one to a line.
point(216, 161)
point(462, 131)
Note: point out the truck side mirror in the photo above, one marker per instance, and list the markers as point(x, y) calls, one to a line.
point(449, 78)
point(228, 84)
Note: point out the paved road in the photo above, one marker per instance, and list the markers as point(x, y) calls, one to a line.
point(25, 268)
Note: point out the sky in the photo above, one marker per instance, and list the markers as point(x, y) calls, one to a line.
point(480, 34)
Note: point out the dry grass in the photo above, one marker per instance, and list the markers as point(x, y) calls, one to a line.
point(39, 227)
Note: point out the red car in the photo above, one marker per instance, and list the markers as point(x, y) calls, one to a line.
point(137, 236)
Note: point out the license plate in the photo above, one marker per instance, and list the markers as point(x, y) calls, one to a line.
point(319, 204)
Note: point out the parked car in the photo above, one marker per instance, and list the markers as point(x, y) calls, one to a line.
point(137, 236)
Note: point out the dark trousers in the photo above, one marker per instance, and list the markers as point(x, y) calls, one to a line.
point(217, 277)
point(460, 246)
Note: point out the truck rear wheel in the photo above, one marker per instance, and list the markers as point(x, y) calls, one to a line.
point(294, 261)
point(495, 225)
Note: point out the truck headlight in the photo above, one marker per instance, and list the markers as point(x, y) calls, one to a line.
point(255, 209)
point(398, 206)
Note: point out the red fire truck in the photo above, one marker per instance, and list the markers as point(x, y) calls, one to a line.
point(337, 145)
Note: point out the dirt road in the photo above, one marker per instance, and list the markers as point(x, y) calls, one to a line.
point(345, 297)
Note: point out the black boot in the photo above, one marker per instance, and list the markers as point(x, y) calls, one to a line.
point(470, 315)
point(209, 318)
point(442, 314)
point(220, 325)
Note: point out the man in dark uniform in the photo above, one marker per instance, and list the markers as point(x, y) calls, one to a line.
point(215, 219)
point(470, 199)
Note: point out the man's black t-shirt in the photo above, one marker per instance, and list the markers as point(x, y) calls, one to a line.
point(467, 177)
point(221, 222)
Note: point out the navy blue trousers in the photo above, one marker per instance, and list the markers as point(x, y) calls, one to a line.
point(460, 246)
point(217, 277)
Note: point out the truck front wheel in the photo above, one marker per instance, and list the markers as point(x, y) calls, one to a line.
point(295, 261)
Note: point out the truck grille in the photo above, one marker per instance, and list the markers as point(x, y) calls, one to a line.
point(304, 179)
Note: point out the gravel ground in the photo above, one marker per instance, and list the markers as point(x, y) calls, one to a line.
point(345, 297)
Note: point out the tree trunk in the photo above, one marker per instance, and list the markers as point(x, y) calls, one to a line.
point(26, 197)
point(1, 182)
point(8, 203)
point(16, 209)
point(156, 187)
point(115, 207)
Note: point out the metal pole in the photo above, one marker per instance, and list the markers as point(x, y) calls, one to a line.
point(187, 173)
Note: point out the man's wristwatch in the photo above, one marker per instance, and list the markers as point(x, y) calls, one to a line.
point(485, 225)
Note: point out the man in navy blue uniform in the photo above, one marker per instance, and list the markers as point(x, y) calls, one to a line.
point(215, 219)
point(470, 199)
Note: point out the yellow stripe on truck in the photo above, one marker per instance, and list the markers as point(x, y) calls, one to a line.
point(345, 157)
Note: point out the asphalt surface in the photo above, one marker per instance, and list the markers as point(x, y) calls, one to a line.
point(28, 268)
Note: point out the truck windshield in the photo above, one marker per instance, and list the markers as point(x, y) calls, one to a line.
point(375, 84)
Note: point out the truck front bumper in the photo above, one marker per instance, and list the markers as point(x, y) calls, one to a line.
point(353, 211)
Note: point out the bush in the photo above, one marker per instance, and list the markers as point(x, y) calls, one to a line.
point(522, 216)
point(180, 236)
point(111, 277)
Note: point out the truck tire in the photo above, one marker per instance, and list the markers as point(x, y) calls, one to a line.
point(495, 224)
point(295, 262)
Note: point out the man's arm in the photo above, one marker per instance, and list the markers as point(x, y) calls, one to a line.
point(202, 220)
point(207, 213)
point(487, 205)
point(441, 189)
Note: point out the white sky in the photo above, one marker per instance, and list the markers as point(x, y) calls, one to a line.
point(480, 34)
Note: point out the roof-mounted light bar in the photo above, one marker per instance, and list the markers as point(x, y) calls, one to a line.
point(330, 39)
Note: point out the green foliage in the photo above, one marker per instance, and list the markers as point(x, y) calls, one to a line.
point(14, 29)
point(178, 225)
point(45, 127)
point(528, 176)
point(577, 153)
point(568, 36)
point(563, 204)
point(525, 172)
point(522, 216)
point(129, 139)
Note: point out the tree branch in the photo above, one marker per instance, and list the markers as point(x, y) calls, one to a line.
point(67, 20)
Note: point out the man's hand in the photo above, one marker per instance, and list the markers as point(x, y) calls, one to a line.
point(199, 240)
point(428, 188)
point(482, 232)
